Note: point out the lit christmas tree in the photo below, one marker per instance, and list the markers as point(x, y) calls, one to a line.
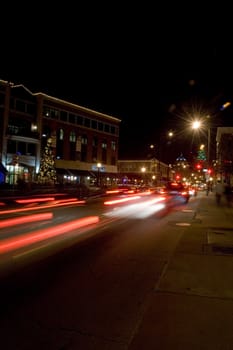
point(47, 172)
point(201, 155)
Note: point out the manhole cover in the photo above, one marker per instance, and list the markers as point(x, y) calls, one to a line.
point(220, 240)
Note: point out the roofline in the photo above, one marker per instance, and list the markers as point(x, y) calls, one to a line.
point(24, 87)
point(76, 105)
point(85, 109)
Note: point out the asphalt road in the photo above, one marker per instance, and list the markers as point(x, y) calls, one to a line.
point(92, 295)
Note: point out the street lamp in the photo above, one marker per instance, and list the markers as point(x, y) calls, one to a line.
point(208, 147)
point(143, 170)
point(152, 147)
point(164, 137)
point(203, 122)
point(99, 165)
point(198, 125)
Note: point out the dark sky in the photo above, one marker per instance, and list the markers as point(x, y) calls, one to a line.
point(151, 68)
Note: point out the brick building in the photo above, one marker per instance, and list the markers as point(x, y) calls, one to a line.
point(84, 142)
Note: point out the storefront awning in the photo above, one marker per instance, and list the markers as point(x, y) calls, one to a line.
point(75, 172)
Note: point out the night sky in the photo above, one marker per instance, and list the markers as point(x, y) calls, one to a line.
point(154, 70)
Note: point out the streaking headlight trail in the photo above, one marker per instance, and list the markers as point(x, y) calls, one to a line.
point(139, 210)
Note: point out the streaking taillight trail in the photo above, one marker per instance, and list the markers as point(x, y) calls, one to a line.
point(27, 239)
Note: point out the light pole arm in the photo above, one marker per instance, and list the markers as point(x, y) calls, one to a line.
point(208, 148)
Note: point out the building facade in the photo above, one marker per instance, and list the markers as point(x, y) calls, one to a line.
point(84, 142)
point(224, 154)
point(147, 172)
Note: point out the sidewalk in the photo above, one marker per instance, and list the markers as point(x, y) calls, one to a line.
point(191, 308)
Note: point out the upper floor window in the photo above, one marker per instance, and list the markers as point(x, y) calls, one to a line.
point(20, 106)
point(94, 124)
point(106, 127)
point(113, 145)
point(51, 113)
point(72, 136)
point(31, 108)
point(63, 116)
point(104, 144)
point(100, 126)
point(113, 130)
point(79, 120)
point(72, 118)
point(84, 140)
point(54, 114)
point(87, 122)
point(61, 134)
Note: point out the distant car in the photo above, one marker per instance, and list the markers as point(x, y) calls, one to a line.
point(193, 191)
point(127, 189)
point(177, 192)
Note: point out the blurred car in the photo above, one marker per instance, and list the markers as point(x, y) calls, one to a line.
point(193, 191)
point(177, 192)
point(127, 189)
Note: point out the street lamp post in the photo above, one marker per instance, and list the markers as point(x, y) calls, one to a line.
point(143, 170)
point(197, 125)
point(157, 174)
point(98, 175)
point(152, 147)
point(208, 147)
point(166, 137)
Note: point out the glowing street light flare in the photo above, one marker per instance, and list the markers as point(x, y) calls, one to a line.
point(196, 124)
